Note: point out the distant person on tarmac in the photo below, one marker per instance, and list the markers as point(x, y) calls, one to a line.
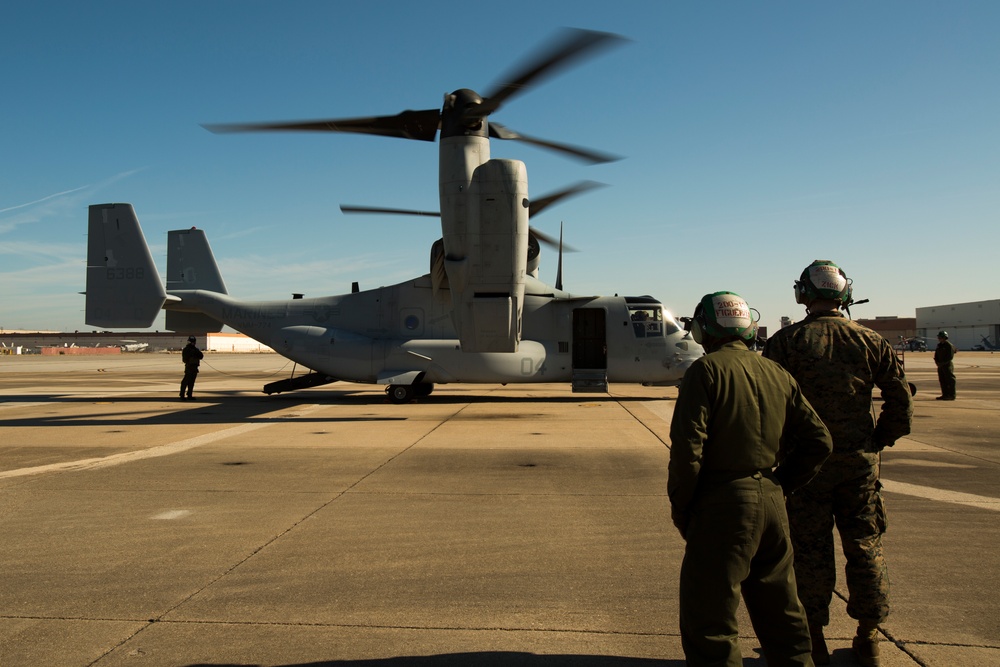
point(944, 355)
point(191, 356)
point(838, 363)
point(742, 436)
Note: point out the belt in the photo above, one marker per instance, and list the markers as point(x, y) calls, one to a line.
point(712, 476)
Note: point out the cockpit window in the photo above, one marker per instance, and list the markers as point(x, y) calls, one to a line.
point(647, 321)
point(670, 325)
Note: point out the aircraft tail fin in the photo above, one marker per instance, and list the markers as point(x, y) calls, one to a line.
point(192, 266)
point(190, 262)
point(123, 285)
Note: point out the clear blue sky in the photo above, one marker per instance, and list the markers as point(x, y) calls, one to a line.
point(757, 137)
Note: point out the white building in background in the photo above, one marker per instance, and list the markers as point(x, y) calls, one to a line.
point(968, 324)
point(233, 342)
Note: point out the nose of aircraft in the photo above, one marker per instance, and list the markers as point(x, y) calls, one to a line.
point(684, 352)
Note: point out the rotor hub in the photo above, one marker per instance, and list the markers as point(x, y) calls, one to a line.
point(463, 114)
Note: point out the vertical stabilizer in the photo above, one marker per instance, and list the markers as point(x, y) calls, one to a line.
point(123, 286)
point(190, 262)
point(191, 266)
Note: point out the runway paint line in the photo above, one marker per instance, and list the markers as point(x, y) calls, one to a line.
point(931, 464)
point(4, 405)
point(171, 514)
point(127, 457)
point(662, 409)
point(152, 452)
point(930, 493)
point(665, 410)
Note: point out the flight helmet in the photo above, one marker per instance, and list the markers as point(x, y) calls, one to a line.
point(191, 339)
point(942, 334)
point(723, 315)
point(823, 280)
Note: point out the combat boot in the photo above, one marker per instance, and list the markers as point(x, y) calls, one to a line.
point(820, 654)
point(866, 644)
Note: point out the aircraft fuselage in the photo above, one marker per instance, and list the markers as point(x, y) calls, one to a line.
point(395, 334)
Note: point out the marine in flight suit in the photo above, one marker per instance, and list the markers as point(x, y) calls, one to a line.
point(742, 435)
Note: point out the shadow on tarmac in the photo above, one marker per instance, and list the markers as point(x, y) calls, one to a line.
point(231, 407)
point(494, 659)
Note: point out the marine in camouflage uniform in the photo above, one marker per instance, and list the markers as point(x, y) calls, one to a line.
point(838, 363)
point(741, 433)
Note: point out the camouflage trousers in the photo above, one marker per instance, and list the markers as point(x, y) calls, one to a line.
point(845, 493)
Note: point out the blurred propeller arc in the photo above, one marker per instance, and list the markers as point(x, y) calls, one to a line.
point(423, 125)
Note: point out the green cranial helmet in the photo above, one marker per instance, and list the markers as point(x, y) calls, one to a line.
point(723, 315)
point(823, 280)
point(942, 334)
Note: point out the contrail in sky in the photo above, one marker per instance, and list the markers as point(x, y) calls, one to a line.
point(39, 201)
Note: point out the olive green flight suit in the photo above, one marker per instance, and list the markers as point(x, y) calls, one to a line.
point(741, 431)
point(944, 358)
point(191, 356)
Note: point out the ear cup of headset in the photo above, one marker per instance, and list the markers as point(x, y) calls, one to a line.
point(698, 324)
point(800, 291)
point(697, 331)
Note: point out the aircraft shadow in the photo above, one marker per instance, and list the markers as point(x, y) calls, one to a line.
point(207, 409)
point(237, 407)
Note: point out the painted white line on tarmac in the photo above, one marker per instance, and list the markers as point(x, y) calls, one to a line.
point(4, 405)
point(152, 452)
point(170, 515)
point(930, 493)
point(126, 457)
point(662, 409)
point(665, 409)
point(928, 464)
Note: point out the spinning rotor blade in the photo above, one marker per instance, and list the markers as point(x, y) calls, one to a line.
point(542, 237)
point(498, 131)
point(346, 208)
point(420, 125)
point(536, 206)
point(574, 45)
point(552, 242)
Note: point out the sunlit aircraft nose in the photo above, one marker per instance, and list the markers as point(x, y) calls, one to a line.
point(686, 352)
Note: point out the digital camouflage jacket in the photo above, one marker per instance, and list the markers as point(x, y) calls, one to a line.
point(838, 363)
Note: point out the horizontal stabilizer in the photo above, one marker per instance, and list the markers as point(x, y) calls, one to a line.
point(194, 323)
point(123, 286)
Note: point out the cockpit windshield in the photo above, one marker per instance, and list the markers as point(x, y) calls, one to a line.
point(651, 321)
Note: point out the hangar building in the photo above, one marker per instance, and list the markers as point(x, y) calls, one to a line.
point(968, 324)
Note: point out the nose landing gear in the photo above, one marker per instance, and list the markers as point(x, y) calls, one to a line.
point(404, 393)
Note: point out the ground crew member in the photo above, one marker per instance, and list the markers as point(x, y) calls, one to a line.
point(191, 356)
point(737, 417)
point(837, 363)
point(944, 355)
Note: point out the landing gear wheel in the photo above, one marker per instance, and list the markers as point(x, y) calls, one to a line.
point(423, 389)
point(400, 393)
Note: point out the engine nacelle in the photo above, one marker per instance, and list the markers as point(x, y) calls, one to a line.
point(488, 284)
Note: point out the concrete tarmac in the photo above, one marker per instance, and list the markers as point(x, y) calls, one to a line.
point(483, 525)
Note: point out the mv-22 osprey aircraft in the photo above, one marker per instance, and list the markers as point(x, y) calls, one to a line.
point(480, 315)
